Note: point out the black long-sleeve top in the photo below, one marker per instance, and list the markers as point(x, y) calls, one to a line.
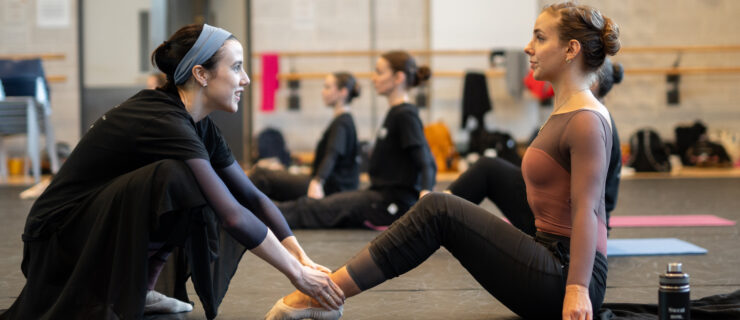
point(336, 162)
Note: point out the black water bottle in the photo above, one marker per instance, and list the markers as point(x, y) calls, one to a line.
point(673, 295)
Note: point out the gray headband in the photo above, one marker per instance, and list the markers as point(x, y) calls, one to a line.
point(209, 41)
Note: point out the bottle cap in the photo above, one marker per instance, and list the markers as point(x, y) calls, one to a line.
point(674, 276)
point(674, 267)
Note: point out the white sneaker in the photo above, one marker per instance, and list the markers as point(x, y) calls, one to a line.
point(35, 191)
point(159, 303)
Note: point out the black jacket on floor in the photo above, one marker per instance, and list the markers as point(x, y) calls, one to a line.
point(721, 306)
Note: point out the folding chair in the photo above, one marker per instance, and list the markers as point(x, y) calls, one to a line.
point(25, 109)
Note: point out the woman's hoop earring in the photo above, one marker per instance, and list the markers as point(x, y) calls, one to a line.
point(568, 60)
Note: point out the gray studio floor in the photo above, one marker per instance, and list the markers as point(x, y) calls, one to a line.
point(440, 288)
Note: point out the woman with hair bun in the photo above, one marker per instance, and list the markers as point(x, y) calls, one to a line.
point(401, 167)
point(502, 183)
point(151, 175)
point(560, 272)
point(335, 167)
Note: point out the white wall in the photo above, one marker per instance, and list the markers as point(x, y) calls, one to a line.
point(230, 15)
point(481, 24)
point(112, 43)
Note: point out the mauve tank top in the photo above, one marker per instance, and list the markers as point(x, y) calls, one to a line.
point(564, 170)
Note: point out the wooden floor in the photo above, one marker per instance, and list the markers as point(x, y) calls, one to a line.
point(440, 288)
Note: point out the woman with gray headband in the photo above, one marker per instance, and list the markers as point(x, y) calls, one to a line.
point(154, 176)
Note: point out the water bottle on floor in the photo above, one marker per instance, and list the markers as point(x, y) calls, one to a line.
point(673, 295)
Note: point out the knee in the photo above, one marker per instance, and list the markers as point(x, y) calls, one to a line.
point(437, 205)
point(168, 167)
point(172, 174)
point(437, 213)
point(488, 164)
point(433, 199)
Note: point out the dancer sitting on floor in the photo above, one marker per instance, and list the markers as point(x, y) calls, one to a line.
point(335, 167)
point(561, 271)
point(402, 168)
point(153, 174)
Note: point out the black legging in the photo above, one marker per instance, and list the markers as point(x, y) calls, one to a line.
point(280, 185)
point(503, 184)
point(349, 209)
point(526, 274)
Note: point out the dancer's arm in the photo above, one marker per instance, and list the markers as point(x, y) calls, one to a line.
point(249, 196)
point(254, 235)
point(291, 244)
point(586, 138)
point(252, 198)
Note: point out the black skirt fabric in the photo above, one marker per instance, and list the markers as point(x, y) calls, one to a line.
point(93, 264)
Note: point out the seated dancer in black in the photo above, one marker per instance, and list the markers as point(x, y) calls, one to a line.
point(335, 167)
point(561, 271)
point(153, 174)
point(503, 184)
point(402, 168)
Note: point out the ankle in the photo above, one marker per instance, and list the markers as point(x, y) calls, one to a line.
point(299, 300)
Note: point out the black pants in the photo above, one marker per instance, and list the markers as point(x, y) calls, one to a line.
point(94, 264)
point(280, 185)
point(350, 209)
point(527, 274)
point(503, 184)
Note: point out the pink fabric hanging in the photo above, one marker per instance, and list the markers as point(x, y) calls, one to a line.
point(270, 83)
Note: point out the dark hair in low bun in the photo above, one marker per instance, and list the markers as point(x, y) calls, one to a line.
point(168, 55)
point(618, 74)
point(597, 34)
point(402, 61)
point(423, 74)
point(345, 80)
point(609, 74)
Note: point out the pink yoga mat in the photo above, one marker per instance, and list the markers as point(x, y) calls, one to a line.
point(698, 220)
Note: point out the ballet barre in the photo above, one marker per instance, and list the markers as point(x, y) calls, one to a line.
point(454, 52)
point(497, 73)
point(26, 56)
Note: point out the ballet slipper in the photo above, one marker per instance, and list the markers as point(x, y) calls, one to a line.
point(282, 311)
point(159, 303)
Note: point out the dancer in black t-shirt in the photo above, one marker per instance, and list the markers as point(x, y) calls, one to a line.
point(153, 174)
point(402, 168)
point(335, 167)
